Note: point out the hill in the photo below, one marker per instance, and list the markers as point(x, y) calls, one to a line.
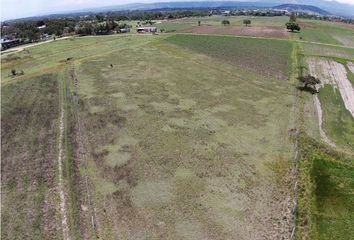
point(302, 8)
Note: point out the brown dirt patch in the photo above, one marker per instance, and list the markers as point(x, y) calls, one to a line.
point(270, 32)
point(346, 25)
point(308, 25)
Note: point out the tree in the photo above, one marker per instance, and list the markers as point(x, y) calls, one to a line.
point(292, 26)
point(40, 23)
point(86, 29)
point(292, 17)
point(310, 83)
point(99, 18)
point(199, 23)
point(247, 22)
point(225, 22)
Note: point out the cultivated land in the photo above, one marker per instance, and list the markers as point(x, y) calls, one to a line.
point(179, 136)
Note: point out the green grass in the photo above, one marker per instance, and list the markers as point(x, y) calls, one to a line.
point(334, 183)
point(325, 32)
point(328, 51)
point(339, 124)
point(268, 57)
point(326, 193)
point(237, 21)
point(317, 35)
point(169, 26)
point(350, 74)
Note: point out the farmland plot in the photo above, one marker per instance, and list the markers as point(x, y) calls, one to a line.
point(336, 118)
point(266, 32)
point(179, 150)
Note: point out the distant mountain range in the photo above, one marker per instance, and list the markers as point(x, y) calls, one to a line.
point(324, 7)
point(302, 8)
point(332, 6)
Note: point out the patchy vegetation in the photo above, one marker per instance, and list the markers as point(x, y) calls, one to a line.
point(28, 159)
point(173, 141)
point(173, 136)
point(267, 57)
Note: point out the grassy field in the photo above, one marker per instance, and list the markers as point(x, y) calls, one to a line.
point(174, 135)
point(180, 137)
point(251, 54)
point(326, 198)
point(179, 144)
point(326, 32)
point(28, 149)
point(328, 51)
point(339, 122)
point(326, 179)
point(216, 21)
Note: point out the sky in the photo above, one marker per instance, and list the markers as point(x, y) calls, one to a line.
point(11, 9)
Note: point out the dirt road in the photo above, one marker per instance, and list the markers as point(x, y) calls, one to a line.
point(23, 47)
point(63, 210)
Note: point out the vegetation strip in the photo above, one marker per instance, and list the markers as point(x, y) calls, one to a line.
point(296, 72)
point(82, 158)
point(63, 210)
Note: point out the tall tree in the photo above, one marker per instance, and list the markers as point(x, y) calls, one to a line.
point(292, 26)
point(292, 17)
point(247, 22)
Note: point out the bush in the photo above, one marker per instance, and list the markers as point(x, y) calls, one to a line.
point(225, 22)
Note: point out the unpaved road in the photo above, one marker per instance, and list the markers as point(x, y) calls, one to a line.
point(63, 210)
point(23, 47)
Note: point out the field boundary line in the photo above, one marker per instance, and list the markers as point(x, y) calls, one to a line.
point(81, 151)
point(296, 157)
point(63, 209)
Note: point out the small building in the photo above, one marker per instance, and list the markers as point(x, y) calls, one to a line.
point(146, 29)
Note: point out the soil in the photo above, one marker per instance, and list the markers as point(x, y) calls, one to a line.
point(333, 73)
point(63, 210)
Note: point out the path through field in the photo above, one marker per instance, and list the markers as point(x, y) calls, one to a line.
point(63, 210)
